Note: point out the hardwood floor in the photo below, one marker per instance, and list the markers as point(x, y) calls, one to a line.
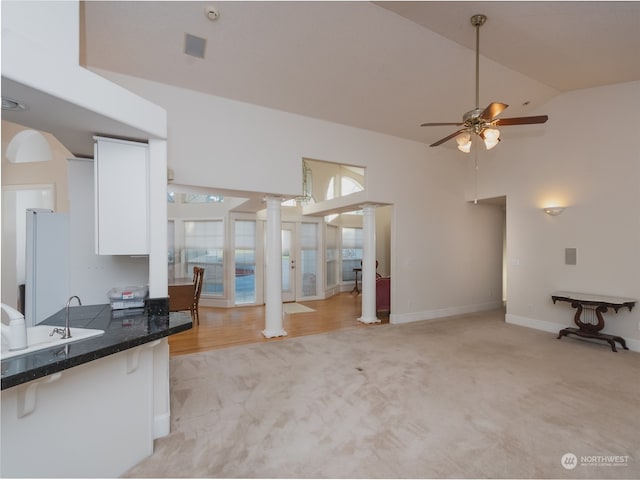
point(226, 327)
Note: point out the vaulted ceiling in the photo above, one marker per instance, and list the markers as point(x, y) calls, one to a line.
point(381, 66)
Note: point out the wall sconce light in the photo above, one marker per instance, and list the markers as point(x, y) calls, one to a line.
point(553, 211)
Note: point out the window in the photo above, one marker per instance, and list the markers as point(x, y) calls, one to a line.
point(204, 247)
point(197, 198)
point(351, 252)
point(173, 197)
point(245, 258)
point(348, 186)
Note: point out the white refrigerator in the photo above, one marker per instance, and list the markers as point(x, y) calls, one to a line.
point(47, 264)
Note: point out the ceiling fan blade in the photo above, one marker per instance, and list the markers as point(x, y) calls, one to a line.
point(493, 110)
point(449, 137)
point(440, 124)
point(521, 120)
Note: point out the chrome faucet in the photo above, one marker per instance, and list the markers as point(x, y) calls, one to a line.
point(66, 332)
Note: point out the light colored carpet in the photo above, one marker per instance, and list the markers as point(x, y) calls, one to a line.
point(295, 308)
point(468, 396)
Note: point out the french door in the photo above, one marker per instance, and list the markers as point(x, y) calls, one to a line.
point(288, 262)
point(300, 261)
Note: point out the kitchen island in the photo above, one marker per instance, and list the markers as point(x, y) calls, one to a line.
point(123, 329)
point(106, 396)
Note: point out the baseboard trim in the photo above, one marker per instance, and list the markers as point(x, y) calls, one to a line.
point(552, 327)
point(543, 325)
point(161, 425)
point(396, 318)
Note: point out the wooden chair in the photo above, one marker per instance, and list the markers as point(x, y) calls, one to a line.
point(198, 280)
point(180, 297)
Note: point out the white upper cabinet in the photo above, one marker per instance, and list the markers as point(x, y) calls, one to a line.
point(122, 197)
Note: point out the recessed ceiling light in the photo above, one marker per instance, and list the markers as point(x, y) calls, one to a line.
point(12, 105)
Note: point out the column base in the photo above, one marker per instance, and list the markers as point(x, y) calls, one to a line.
point(274, 333)
point(369, 320)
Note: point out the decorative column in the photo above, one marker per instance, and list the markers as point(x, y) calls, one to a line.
point(273, 271)
point(369, 265)
point(158, 280)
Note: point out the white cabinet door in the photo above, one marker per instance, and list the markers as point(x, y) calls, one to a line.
point(122, 197)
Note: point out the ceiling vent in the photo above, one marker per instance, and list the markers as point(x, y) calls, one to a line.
point(194, 46)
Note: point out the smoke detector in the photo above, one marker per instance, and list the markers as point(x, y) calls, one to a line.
point(212, 13)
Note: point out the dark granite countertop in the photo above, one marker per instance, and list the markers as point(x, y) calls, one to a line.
point(124, 329)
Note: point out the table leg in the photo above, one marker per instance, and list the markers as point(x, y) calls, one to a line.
point(356, 289)
point(611, 339)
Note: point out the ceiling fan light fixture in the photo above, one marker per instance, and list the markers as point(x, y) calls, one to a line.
point(491, 137)
point(465, 147)
point(464, 142)
point(479, 121)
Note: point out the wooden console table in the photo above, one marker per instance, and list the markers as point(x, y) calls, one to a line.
point(593, 306)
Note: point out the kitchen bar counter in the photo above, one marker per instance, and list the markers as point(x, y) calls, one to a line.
point(124, 329)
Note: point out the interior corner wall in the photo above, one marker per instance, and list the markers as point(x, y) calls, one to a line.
point(437, 261)
point(583, 158)
point(383, 239)
point(91, 276)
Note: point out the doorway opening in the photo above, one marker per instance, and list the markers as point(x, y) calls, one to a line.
point(499, 204)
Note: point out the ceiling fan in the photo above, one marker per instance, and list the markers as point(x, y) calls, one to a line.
point(482, 122)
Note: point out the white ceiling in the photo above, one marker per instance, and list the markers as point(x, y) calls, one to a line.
point(383, 66)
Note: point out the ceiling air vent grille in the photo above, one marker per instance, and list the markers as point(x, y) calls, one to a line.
point(194, 46)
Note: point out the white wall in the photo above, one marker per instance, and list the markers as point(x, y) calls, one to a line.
point(586, 158)
point(383, 239)
point(91, 276)
point(442, 258)
point(57, 22)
